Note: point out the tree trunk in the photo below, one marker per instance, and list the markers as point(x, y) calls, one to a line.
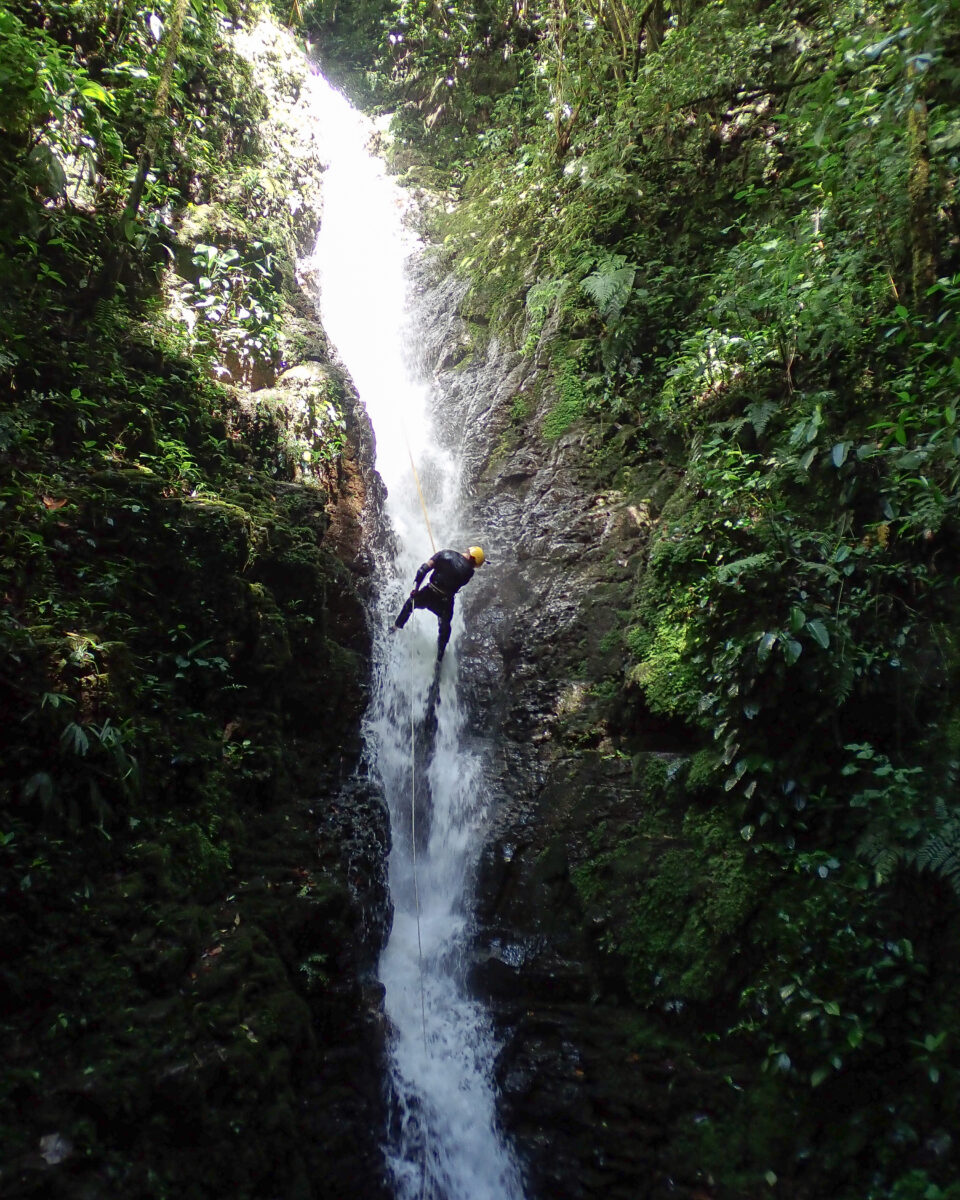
point(114, 260)
point(922, 234)
point(174, 34)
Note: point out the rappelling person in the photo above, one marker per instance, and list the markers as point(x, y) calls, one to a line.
point(450, 571)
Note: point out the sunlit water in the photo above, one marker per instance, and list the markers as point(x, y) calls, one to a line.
point(443, 1143)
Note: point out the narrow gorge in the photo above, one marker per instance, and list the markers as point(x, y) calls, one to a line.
point(652, 889)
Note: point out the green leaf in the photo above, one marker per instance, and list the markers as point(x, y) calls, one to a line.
point(839, 453)
point(96, 91)
point(39, 785)
point(75, 737)
point(798, 618)
point(733, 570)
point(792, 649)
point(765, 646)
point(128, 68)
point(819, 1075)
point(818, 631)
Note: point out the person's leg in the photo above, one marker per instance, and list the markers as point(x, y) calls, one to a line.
point(403, 616)
point(443, 636)
point(424, 598)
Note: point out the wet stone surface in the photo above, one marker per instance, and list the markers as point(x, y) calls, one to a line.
point(592, 1106)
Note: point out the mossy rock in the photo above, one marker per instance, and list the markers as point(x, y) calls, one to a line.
point(212, 224)
point(672, 901)
point(135, 479)
point(296, 428)
point(270, 651)
point(215, 531)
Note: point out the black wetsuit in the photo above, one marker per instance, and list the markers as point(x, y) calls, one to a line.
point(450, 571)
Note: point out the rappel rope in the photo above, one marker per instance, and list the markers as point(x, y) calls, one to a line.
point(413, 771)
point(413, 828)
point(416, 901)
point(416, 887)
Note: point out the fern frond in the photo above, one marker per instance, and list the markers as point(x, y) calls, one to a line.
point(542, 297)
point(940, 854)
point(734, 427)
point(610, 285)
point(759, 415)
point(844, 680)
point(884, 858)
point(741, 566)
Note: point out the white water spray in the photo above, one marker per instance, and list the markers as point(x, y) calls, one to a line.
point(443, 1143)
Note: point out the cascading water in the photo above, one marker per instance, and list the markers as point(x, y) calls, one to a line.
point(443, 1143)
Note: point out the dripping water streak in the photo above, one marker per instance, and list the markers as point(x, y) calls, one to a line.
point(444, 1143)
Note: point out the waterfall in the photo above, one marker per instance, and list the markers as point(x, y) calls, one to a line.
point(443, 1142)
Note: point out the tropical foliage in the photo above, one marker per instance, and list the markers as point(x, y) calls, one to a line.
point(163, 583)
point(732, 230)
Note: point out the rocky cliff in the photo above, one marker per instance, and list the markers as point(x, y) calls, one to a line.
point(599, 1098)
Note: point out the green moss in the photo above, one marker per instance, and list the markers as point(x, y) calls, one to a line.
point(702, 772)
point(672, 906)
point(738, 1141)
point(202, 859)
point(654, 773)
point(672, 685)
point(571, 403)
point(519, 409)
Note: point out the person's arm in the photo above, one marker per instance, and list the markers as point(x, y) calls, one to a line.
point(427, 566)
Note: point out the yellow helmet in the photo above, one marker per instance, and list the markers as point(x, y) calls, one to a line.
point(477, 554)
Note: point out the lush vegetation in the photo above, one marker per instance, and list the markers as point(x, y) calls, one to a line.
point(732, 231)
point(165, 616)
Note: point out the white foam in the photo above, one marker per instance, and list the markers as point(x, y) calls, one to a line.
point(444, 1143)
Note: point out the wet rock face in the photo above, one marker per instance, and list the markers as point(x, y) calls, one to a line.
point(332, 932)
point(309, 428)
point(344, 1098)
point(584, 1098)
